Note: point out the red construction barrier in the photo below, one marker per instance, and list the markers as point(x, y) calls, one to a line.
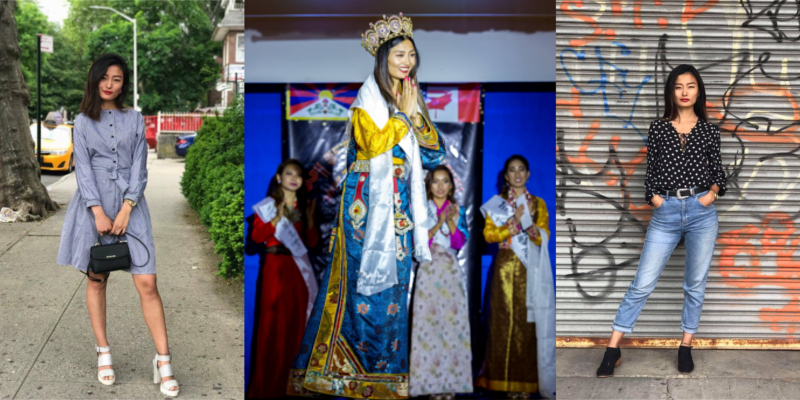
point(173, 122)
point(151, 128)
point(181, 122)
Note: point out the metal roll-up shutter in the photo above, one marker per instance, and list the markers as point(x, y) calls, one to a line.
point(612, 60)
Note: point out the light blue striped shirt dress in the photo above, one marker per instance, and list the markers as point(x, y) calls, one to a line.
point(110, 166)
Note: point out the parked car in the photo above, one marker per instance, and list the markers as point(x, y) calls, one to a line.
point(183, 144)
point(56, 146)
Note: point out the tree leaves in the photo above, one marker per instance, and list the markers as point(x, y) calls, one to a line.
point(175, 51)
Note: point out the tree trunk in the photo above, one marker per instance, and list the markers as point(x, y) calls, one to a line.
point(21, 188)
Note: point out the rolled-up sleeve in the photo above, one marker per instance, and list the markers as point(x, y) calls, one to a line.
point(432, 150)
point(83, 164)
point(138, 179)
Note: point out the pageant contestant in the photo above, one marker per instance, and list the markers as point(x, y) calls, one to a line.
point(356, 342)
point(109, 206)
point(441, 354)
point(285, 223)
point(521, 298)
point(684, 178)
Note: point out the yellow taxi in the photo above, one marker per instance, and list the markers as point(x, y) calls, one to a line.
point(56, 146)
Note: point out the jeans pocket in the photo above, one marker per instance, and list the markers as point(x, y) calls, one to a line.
point(658, 212)
point(699, 195)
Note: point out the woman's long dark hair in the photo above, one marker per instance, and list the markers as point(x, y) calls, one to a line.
point(670, 106)
point(429, 181)
point(275, 190)
point(384, 80)
point(502, 184)
point(92, 102)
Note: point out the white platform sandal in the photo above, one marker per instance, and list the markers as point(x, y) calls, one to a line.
point(164, 370)
point(104, 360)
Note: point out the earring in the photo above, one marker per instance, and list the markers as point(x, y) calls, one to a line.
point(279, 181)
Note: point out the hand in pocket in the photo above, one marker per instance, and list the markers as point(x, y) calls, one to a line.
point(707, 199)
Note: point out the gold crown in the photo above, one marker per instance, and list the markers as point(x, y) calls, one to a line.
point(385, 30)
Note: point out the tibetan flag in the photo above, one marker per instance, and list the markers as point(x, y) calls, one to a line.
point(454, 102)
point(326, 101)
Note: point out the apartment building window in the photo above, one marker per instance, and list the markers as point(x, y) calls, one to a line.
point(240, 47)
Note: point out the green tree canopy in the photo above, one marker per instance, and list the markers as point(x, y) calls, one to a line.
point(175, 47)
point(175, 51)
point(59, 70)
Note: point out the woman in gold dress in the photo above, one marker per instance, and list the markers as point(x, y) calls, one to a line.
point(518, 221)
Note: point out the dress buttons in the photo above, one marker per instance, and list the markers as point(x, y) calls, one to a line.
point(113, 149)
point(111, 125)
point(115, 161)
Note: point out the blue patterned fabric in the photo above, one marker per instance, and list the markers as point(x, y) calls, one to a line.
point(462, 223)
point(374, 327)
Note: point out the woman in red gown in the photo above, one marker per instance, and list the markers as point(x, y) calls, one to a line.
point(284, 299)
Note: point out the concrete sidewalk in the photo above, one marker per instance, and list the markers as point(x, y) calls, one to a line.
point(653, 374)
point(46, 340)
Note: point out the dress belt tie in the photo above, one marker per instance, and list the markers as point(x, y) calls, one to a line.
point(115, 175)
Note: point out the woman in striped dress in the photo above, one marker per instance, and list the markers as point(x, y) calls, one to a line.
point(109, 205)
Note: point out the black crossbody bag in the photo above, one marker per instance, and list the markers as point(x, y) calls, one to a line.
point(104, 258)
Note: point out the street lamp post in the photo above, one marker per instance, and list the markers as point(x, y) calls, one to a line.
point(135, 63)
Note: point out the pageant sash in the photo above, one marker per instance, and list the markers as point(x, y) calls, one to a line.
point(440, 237)
point(286, 233)
point(500, 212)
point(526, 221)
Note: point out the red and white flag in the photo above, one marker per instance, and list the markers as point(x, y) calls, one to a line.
point(454, 103)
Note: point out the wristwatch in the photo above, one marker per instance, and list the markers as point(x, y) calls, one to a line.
point(130, 202)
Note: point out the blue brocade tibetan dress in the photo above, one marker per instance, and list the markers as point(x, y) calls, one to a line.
point(355, 345)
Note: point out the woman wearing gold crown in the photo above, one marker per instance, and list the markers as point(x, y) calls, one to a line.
point(356, 341)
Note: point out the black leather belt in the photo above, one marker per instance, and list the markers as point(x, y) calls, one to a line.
point(681, 193)
point(279, 249)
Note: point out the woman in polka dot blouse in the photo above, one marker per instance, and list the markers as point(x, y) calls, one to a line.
point(684, 178)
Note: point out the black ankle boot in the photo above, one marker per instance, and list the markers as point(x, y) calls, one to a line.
point(612, 358)
point(685, 363)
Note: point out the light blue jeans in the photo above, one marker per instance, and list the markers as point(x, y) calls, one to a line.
point(675, 218)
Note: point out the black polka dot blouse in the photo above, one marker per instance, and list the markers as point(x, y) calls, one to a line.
point(670, 168)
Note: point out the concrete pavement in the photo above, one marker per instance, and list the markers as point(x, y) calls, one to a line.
point(46, 340)
point(653, 374)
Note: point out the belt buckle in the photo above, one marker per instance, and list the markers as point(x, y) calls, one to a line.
point(679, 196)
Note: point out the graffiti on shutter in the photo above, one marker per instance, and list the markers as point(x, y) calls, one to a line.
point(612, 60)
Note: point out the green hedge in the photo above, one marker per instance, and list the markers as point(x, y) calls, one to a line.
point(213, 183)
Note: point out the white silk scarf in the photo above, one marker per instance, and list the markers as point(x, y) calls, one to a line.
point(378, 269)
